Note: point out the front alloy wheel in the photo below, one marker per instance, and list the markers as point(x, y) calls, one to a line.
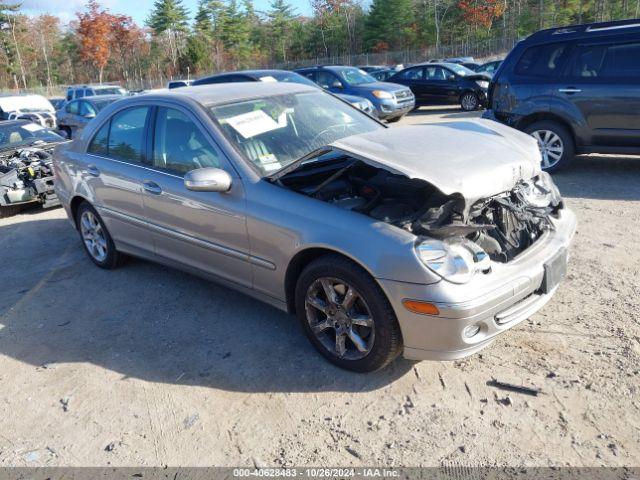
point(469, 102)
point(346, 315)
point(339, 318)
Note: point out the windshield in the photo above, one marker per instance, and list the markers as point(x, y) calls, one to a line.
point(273, 132)
point(461, 69)
point(355, 76)
point(22, 134)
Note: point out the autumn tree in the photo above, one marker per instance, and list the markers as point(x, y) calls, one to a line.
point(94, 34)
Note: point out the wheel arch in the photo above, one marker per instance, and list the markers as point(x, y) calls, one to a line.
point(75, 203)
point(299, 262)
point(525, 122)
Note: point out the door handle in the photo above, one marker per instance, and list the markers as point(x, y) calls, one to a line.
point(152, 187)
point(569, 90)
point(93, 171)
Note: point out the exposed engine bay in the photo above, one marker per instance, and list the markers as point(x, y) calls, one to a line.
point(503, 226)
point(26, 175)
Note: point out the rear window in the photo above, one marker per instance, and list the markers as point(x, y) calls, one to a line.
point(607, 61)
point(542, 60)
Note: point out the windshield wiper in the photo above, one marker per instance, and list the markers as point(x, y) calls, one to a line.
point(296, 163)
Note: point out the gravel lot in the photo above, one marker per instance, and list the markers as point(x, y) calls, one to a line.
point(149, 366)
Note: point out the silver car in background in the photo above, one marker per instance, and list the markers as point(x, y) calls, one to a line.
point(426, 240)
point(76, 114)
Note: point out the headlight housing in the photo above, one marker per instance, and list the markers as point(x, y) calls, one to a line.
point(542, 192)
point(483, 83)
point(456, 260)
point(382, 95)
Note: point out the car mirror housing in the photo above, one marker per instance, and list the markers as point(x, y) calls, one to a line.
point(89, 115)
point(208, 180)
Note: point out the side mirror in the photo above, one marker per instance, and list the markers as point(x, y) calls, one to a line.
point(451, 78)
point(89, 115)
point(207, 180)
point(337, 84)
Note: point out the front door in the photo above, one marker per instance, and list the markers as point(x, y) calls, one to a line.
point(602, 83)
point(203, 230)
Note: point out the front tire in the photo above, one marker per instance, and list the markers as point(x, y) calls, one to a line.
point(95, 237)
point(555, 142)
point(346, 315)
point(395, 119)
point(469, 102)
point(9, 210)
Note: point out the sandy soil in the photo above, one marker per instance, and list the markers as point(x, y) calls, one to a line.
point(149, 366)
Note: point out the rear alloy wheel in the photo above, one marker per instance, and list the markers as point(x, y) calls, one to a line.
point(555, 143)
point(469, 102)
point(346, 315)
point(96, 239)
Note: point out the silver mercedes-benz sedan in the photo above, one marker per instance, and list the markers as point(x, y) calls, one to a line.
point(427, 240)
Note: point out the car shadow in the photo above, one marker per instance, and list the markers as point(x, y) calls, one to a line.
point(153, 323)
point(604, 177)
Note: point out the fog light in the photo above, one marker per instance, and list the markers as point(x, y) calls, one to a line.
point(423, 308)
point(471, 331)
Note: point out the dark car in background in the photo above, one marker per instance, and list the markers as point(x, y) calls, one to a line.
point(575, 89)
point(281, 76)
point(488, 68)
point(445, 84)
point(73, 117)
point(372, 68)
point(392, 101)
point(383, 75)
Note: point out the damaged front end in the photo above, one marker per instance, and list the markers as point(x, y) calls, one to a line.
point(455, 239)
point(26, 176)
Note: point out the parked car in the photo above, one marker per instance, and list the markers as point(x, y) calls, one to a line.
point(445, 84)
point(281, 76)
point(575, 89)
point(34, 108)
point(26, 174)
point(178, 83)
point(383, 75)
point(57, 102)
point(489, 68)
point(373, 68)
point(381, 240)
point(77, 113)
point(81, 91)
point(392, 101)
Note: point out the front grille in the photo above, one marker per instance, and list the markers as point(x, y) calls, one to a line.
point(404, 96)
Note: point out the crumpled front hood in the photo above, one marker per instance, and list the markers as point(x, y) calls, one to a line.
point(476, 159)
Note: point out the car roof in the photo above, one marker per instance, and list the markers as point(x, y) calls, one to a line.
point(99, 98)
point(215, 94)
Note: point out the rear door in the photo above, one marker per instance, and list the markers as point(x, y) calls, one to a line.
point(115, 166)
point(203, 230)
point(602, 84)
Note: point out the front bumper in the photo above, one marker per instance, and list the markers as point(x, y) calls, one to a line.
point(495, 302)
point(392, 109)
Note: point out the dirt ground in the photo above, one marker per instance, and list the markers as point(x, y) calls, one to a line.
point(149, 366)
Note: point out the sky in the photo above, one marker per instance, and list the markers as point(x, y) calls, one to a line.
point(138, 9)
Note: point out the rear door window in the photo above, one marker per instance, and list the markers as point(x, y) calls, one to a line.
point(542, 60)
point(412, 74)
point(606, 62)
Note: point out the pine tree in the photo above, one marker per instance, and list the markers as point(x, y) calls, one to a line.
point(389, 25)
point(281, 17)
point(168, 15)
point(203, 22)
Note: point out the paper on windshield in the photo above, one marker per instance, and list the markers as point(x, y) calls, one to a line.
point(255, 123)
point(268, 78)
point(32, 127)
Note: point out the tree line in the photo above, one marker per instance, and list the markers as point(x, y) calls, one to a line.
point(99, 45)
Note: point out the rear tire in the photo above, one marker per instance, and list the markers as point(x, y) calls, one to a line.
point(555, 142)
point(371, 337)
point(395, 119)
point(95, 237)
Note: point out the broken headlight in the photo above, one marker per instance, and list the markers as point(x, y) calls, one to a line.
point(456, 260)
point(542, 192)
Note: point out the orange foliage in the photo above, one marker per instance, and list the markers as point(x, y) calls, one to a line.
point(94, 29)
point(481, 13)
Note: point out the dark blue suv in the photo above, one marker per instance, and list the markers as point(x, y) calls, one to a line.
point(576, 89)
point(392, 101)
